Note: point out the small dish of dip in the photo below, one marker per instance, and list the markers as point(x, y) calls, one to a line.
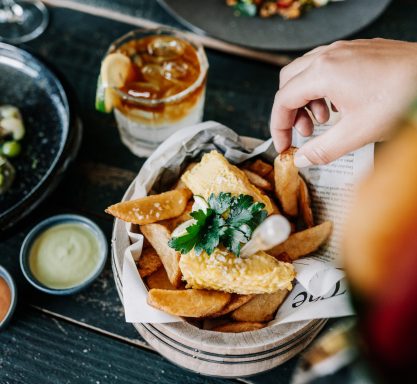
point(8, 297)
point(63, 254)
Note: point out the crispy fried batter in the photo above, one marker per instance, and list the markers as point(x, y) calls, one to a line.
point(214, 174)
point(223, 271)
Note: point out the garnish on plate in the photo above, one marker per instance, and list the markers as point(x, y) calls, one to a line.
point(227, 220)
point(287, 9)
point(12, 130)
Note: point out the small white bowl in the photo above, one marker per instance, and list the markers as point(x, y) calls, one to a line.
point(51, 222)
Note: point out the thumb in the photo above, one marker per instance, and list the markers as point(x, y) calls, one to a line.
point(342, 138)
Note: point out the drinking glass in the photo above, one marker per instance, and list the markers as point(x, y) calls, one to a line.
point(22, 20)
point(144, 123)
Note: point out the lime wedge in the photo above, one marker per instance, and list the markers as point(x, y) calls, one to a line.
point(100, 97)
point(115, 69)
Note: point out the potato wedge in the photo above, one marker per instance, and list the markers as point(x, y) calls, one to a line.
point(304, 203)
point(261, 308)
point(302, 243)
point(214, 174)
point(260, 167)
point(275, 209)
point(158, 235)
point(171, 224)
point(287, 181)
point(189, 302)
point(284, 257)
point(159, 279)
point(180, 186)
point(239, 327)
point(235, 302)
point(258, 181)
point(150, 209)
point(270, 177)
point(149, 262)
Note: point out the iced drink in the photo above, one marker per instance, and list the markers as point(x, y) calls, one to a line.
point(155, 82)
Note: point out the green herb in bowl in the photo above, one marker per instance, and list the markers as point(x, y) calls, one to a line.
point(227, 220)
point(12, 130)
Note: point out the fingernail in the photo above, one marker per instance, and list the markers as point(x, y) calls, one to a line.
point(301, 161)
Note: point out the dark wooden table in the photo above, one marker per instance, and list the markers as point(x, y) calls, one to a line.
point(84, 338)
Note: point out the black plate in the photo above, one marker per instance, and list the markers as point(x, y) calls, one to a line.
point(26, 83)
point(318, 26)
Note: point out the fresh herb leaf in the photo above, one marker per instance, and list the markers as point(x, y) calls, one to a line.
point(258, 217)
point(246, 230)
point(232, 239)
point(230, 221)
point(211, 238)
point(201, 216)
point(221, 203)
point(187, 242)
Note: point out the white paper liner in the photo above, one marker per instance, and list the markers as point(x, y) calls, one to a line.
point(319, 275)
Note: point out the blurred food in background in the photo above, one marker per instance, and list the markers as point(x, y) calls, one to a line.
point(329, 356)
point(287, 9)
point(381, 256)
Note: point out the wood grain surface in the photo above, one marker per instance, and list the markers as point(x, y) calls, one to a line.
point(53, 351)
point(45, 341)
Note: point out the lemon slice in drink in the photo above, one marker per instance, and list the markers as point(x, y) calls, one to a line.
point(115, 70)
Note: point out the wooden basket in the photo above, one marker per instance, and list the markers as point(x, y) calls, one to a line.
point(215, 353)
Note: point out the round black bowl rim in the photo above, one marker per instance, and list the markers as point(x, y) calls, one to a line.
point(68, 148)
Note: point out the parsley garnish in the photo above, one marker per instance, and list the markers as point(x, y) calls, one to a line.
point(229, 220)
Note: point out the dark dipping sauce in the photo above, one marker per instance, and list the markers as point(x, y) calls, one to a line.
point(5, 299)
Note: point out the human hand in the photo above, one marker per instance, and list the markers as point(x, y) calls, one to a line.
point(370, 82)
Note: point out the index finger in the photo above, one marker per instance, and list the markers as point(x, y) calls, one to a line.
point(296, 93)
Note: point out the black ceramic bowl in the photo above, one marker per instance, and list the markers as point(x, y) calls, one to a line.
point(317, 26)
point(51, 139)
